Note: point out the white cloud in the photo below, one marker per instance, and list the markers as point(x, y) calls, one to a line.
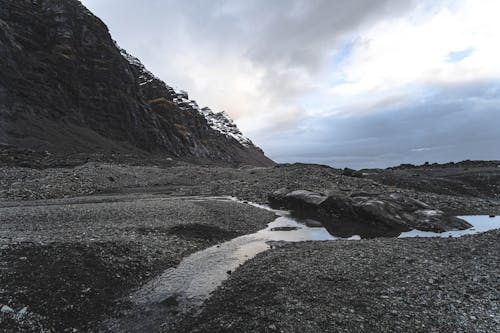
point(254, 59)
point(415, 50)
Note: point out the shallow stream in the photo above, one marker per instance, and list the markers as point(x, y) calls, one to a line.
point(191, 282)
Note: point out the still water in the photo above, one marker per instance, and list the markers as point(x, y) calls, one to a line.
point(192, 281)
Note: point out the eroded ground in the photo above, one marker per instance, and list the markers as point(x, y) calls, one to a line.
point(74, 242)
point(384, 285)
point(69, 261)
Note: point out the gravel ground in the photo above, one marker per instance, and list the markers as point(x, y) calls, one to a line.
point(250, 183)
point(75, 241)
point(382, 285)
point(67, 262)
point(145, 219)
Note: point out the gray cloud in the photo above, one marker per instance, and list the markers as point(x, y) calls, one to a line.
point(459, 122)
point(288, 40)
point(300, 33)
point(258, 59)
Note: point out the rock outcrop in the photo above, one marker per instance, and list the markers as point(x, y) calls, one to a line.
point(366, 214)
point(66, 87)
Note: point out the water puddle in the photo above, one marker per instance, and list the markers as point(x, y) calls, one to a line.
point(192, 281)
point(189, 284)
point(480, 223)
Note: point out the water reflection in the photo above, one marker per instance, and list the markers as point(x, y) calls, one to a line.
point(192, 281)
point(480, 223)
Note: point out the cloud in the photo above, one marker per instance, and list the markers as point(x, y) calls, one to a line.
point(248, 57)
point(401, 51)
point(458, 122)
point(360, 81)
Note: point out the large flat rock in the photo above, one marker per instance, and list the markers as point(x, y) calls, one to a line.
point(366, 214)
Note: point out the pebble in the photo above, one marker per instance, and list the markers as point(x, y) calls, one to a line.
point(6, 309)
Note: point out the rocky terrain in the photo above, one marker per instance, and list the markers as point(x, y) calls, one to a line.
point(84, 237)
point(476, 178)
point(68, 263)
point(384, 285)
point(177, 177)
point(109, 178)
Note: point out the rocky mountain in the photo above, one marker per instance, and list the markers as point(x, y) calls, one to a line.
point(66, 88)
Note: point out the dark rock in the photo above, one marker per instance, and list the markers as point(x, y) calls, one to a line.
point(170, 301)
point(299, 199)
point(352, 173)
point(285, 228)
point(312, 223)
point(367, 215)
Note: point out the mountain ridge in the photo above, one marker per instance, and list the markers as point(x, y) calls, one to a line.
point(219, 121)
point(66, 88)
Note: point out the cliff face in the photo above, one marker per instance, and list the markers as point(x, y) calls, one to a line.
point(66, 87)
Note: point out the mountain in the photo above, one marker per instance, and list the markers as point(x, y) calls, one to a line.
point(66, 88)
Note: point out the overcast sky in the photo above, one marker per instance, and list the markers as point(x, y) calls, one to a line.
point(359, 83)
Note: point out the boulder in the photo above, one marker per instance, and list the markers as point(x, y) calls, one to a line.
point(366, 214)
point(304, 203)
point(352, 173)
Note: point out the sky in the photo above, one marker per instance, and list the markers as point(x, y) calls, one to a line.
point(359, 83)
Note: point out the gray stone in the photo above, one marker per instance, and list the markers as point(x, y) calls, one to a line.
point(367, 214)
point(6, 309)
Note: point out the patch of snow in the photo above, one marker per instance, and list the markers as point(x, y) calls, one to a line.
point(219, 121)
point(145, 76)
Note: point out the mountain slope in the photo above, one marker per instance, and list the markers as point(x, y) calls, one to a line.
point(67, 88)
